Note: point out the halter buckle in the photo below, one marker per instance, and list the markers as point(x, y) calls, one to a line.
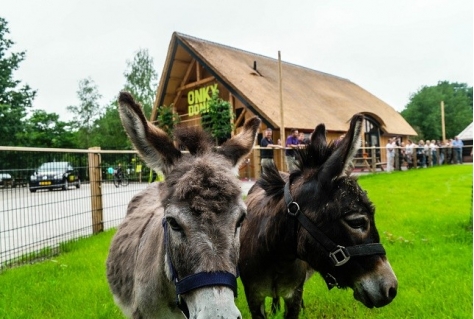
point(293, 209)
point(340, 256)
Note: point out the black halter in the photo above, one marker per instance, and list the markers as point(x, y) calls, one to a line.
point(338, 254)
point(195, 281)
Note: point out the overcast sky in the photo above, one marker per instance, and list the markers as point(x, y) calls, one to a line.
point(390, 48)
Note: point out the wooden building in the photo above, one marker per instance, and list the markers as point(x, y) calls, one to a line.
point(250, 82)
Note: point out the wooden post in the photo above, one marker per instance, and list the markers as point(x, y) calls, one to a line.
point(442, 122)
point(374, 159)
point(282, 120)
point(95, 176)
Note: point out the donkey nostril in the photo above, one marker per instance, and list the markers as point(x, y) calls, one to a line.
point(392, 292)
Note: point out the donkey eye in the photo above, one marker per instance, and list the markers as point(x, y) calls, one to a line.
point(240, 221)
point(357, 223)
point(173, 224)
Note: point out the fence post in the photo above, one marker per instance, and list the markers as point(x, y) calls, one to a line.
point(374, 159)
point(95, 179)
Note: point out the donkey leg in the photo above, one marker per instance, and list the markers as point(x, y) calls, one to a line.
point(275, 305)
point(256, 304)
point(293, 304)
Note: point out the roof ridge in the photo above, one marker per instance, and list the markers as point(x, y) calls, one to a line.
point(257, 54)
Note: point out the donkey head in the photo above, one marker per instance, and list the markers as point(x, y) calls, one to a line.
point(203, 208)
point(339, 220)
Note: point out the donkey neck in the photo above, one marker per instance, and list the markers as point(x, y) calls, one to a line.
point(281, 235)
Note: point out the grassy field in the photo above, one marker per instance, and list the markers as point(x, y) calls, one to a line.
point(424, 218)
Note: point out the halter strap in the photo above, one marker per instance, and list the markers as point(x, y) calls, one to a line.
point(338, 254)
point(197, 280)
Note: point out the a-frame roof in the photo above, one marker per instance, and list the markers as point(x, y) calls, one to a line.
point(466, 134)
point(309, 97)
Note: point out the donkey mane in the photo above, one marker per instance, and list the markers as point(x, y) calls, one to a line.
point(310, 162)
point(203, 178)
point(204, 182)
point(195, 139)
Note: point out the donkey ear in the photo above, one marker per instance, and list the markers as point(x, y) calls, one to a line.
point(318, 138)
point(154, 146)
point(240, 145)
point(338, 162)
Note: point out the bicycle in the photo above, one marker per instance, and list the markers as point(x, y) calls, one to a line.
point(120, 179)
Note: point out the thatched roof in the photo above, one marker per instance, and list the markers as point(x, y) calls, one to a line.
point(466, 134)
point(309, 97)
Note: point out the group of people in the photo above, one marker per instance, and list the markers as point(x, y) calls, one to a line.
point(447, 152)
point(293, 141)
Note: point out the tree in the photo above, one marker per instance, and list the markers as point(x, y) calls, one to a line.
point(108, 132)
point(141, 80)
point(15, 98)
point(167, 119)
point(423, 112)
point(44, 129)
point(87, 112)
point(217, 119)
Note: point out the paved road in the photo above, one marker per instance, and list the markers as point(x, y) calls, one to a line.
point(32, 221)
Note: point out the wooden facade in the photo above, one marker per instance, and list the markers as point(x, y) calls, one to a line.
point(194, 68)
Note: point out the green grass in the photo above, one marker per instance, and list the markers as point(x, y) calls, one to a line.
point(424, 218)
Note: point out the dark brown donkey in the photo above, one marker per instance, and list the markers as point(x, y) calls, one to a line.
point(177, 249)
point(315, 219)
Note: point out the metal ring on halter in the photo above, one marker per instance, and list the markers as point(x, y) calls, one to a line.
point(293, 209)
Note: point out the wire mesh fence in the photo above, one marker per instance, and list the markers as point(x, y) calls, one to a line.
point(47, 197)
point(51, 196)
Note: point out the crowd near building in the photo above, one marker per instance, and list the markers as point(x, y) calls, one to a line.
point(262, 86)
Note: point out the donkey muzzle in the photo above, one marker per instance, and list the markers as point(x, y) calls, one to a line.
point(377, 288)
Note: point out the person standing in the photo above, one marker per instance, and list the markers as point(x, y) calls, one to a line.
point(457, 149)
point(420, 154)
point(390, 154)
point(266, 155)
point(409, 153)
point(434, 152)
point(302, 139)
point(442, 151)
point(449, 152)
point(291, 144)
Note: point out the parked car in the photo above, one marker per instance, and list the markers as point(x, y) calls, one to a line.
point(7, 180)
point(54, 175)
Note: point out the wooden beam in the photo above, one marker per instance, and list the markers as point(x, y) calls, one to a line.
point(180, 61)
point(282, 119)
point(240, 118)
point(197, 83)
point(188, 72)
point(185, 79)
point(231, 102)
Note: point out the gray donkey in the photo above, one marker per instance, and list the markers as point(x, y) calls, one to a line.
point(177, 249)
